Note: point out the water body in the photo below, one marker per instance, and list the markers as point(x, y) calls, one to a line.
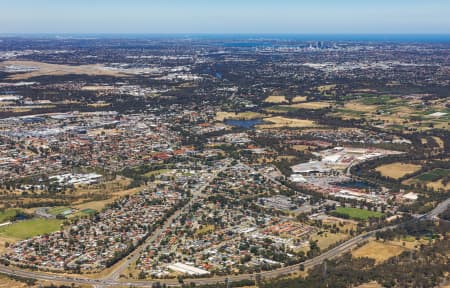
point(246, 124)
point(242, 39)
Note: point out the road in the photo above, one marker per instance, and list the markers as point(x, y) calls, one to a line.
point(112, 281)
point(133, 257)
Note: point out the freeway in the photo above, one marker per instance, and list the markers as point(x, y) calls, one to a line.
point(112, 281)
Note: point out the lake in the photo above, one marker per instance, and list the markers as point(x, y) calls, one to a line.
point(246, 124)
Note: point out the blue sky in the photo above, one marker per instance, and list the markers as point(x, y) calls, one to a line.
point(230, 16)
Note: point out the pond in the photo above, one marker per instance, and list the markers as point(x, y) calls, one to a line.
point(246, 124)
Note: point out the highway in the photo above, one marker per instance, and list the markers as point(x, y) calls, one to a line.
point(112, 279)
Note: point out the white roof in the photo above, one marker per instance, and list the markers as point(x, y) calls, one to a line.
point(188, 269)
point(411, 196)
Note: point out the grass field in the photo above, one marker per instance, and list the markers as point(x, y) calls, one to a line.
point(439, 142)
point(370, 285)
point(378, 251)
point(301, 147)
point(276, 99)
point(325, 240)
point(355, 213)
point(297, 99)
point(326, 88)
point(311, 105)
point(30, 228)
point(6, 282)
point(57, 210)
point(397, 170)
point(298, 106)
point(156, 172)
point(249, 115)
point(8, 214)
point(279, 122)
point(396, 113)
point(433, 175)
point(205, 229)
point(100, 204)
point(439, 184)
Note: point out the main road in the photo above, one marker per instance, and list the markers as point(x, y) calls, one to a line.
point(133, 257)
point(112, 279)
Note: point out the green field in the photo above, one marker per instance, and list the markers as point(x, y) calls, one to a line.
point(156, 172)
point(8, 214)
point(57, 210)
point(355, 213)
point(434, 175)
point(30, 228)
point(88, 211)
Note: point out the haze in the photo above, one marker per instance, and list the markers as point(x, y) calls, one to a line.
point(232, 16)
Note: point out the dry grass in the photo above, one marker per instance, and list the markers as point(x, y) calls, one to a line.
point(205, 230)
point(99, 205)
point(439, 142)
point(4, 240)
point(300, 147)
point(343, 224)
point(326, 88)
point(311, 105)
point(378, 251)
point(6, 282)
point(276, 99)
point(355, 106)
point(57, 70)
point(280, 122)
point(439, 185)
point(221, 116)
point(97, 88)
point(370, 285)
point(327, 239)
point(99, 105)
point(397, 170)
point(298, 99)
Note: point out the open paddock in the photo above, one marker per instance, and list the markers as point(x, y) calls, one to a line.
point(379, 251)
point(397, 170)
point(249, 115)
point(276, 99)
point(280, 122)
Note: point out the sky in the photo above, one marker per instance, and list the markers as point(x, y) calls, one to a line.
point(227, 16)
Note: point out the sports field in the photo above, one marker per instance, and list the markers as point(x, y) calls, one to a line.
point(30, 228)
point(7, 214)
point(355, 213)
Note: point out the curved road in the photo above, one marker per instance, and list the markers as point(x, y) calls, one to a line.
point(112, 282)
